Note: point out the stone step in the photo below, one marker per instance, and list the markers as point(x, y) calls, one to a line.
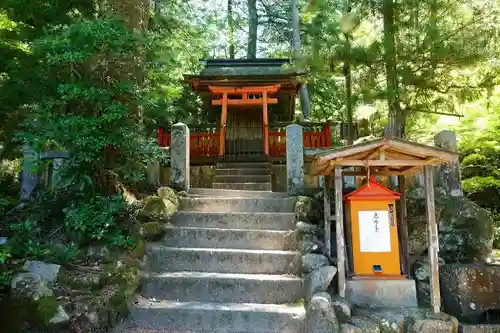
point(213, 192)
point(242, 179)
point(169, 259)
point(229, 238)
point(243, 165)
point(272, 205)
point(244, 186)
point(173, 317)
point(237, 220)
point(222, 287)
point(247, 171)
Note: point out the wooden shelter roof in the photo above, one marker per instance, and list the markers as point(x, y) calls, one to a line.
point(385, 156)
point(244, 72)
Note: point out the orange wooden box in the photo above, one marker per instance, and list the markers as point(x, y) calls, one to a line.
point(375, 244)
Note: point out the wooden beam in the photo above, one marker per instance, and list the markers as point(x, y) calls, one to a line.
point(265, 123)
point(223, 119)
point(250, 101)
point(403, 226)
point(432, 236)
point(339, 228)
point(328, 220)
point(348, 162)
point(271, 89)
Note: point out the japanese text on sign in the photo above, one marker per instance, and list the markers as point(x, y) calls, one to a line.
point(374, 231)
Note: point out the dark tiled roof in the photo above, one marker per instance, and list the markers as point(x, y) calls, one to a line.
point(248, 68)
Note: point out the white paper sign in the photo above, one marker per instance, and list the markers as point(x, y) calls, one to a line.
point(374, 231)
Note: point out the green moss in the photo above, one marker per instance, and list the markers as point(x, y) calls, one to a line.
point(139, 250)
point(46, 308)
point(153, 231)
point(78, 280)
point(168, 193)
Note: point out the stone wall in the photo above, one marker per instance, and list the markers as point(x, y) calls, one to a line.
point(201, 176)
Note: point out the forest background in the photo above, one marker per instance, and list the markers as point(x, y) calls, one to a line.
point(96, 78)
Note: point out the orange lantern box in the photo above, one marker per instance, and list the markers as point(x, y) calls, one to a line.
point(375, 243)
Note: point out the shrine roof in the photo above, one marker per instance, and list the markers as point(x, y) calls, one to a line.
point(385, 156)
point(239, 68)
point(372, 190)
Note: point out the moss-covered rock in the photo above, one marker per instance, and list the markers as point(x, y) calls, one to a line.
point(156, 208)
point(168, 193)
point(308, 209)
point(465, 232)
point(80, 279)
point(153, 231)
point(46, 309)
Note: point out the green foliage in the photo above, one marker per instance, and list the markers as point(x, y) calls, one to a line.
point(98, 220)
point(480, 160)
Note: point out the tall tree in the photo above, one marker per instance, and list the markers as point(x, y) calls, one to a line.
point(396, 115)
point(295, 23)
point(230, 26)
point(253, 24)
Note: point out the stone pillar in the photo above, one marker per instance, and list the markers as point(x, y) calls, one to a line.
point(57, 165)
point(179, 160)
point(448, 175)
point(154, 174)
point(295, 159)
point(28, 175)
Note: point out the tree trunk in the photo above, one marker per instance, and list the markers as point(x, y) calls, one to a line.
point(348, 83)
point(230, 23)
point(305, 103)
point(253, 22)
point(396, 114)
point(135, 15)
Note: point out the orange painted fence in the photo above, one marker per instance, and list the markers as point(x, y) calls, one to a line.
point(201, 144)
point(207, 144)
point(316, 135)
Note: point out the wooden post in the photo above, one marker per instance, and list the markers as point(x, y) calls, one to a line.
point(223, 119)
point(265, 121)
point(29, 178)
point(328, 132)
point(432, 236)
point(403, 226)
point(339, 226)
point(328, 219)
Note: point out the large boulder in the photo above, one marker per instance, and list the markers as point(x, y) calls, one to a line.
point(313, 261)
point(169, 194)
point(30, 286)
point(157, 208)
point(470, 291)
point(318, 281)
point(421, 272)
point(320, 315)
point(309, 210)
point(465, 232)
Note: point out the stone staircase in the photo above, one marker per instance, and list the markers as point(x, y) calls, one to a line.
point(227, 264)
point(254, 176)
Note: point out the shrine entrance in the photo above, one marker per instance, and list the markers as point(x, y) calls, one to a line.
point(244, 125)
point(244, 135)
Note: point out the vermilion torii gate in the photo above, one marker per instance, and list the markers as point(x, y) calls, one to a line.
point(244, 96)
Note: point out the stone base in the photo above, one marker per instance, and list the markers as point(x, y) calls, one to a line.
point(485, 328)
point(382, 293)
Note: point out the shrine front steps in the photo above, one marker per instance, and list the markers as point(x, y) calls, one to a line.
point(196, 317)
point(180, 259)
point(194, 283)
point(244, 186)
point(228, 193)
point(229, 238)
point(219, 204)
point(235, 220)
point(222, 287)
